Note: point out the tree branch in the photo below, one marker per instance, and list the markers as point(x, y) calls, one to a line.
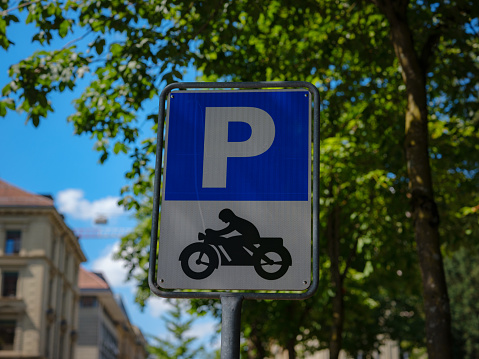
point(393, 9)
point(77, 39)
point(351, 256)
point(428, 49)
point(203, 27)
point(6, 12)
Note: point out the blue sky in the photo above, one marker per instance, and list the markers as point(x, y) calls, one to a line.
point(52, 160)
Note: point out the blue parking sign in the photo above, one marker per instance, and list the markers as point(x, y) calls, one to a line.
point(238, 146)
point(236, 208)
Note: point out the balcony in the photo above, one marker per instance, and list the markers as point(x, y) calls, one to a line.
point(12, 305)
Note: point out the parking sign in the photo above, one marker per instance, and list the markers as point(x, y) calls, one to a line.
point(236, 209)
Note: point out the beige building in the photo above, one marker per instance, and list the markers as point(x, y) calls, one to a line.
point(104, 329)
point(39, 264)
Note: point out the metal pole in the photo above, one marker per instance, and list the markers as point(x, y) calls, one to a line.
point(230, 325)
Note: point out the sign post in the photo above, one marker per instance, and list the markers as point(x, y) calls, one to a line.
point(230, 325)
point(236, 195)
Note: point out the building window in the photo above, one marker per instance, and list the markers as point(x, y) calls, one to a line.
point(7, 334)
point(64, 302)
point(109, 347)
point(54, 247)
point(50, 292)
point(62, 344)
point(9, 284)
point(47, 341)
point(13, 241)
point(88, 302)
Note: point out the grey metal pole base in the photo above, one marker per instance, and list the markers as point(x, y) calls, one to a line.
point(230, 325)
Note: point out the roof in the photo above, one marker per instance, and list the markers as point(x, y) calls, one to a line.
point(14, 196)
point(91, 280)
point(14, 199)
point(119, 300)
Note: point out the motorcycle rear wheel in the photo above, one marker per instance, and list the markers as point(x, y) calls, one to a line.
point(280, 262)
point(193, 260)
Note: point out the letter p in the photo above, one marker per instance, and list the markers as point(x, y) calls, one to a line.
point(217, 149)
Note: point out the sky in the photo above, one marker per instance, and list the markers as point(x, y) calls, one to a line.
point(50, 159)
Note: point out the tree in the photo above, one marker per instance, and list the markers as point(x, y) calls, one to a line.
point(463, 276)
point(179, 345)
point(415, 54)
point(400, 68)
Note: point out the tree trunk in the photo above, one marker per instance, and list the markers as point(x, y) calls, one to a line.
point(291, 350)
point(424, 209)
point(257, 343)
point(332, 234)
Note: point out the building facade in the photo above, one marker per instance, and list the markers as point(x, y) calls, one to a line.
point(389, 349)
point(104, 329)
point(39, 264)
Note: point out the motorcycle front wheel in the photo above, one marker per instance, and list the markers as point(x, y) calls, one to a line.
point(271, 263)
point(198, 260)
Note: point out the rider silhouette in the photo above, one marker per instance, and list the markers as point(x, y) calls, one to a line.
point(249, 233)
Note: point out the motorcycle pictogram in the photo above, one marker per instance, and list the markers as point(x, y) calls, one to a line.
point(271, 260)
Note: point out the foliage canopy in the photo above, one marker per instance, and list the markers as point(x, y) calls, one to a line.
point(126, 52)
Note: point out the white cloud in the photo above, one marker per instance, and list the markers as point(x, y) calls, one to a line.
point(158, 306)
point(114, 270)
point(115, 273)
point(72, 202)
point(202, 331)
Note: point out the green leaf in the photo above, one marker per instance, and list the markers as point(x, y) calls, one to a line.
point(119, 146)
point(103, 157)
point(99, 45)
point(64, 27)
